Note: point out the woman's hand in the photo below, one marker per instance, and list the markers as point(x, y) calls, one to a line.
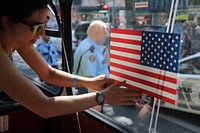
point(115, 95)
point(100, 82)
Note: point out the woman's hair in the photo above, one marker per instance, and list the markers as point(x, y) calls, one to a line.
point(18, 10)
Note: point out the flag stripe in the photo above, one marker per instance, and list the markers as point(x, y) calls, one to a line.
point(143, 74)
point(151, 91)
point(138, 79)
point(128, 50)
point(127, 41)
point(121, 63)
point(127, 32)
point(126, 45)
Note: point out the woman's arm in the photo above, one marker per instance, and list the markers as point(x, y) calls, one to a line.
point(58, 77)
point(22, 90)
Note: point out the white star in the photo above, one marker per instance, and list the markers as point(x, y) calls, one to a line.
point(175, 61)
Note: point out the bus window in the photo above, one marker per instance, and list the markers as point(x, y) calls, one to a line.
point(151, 15)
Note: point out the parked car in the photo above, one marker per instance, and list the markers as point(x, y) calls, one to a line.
point(80, 31)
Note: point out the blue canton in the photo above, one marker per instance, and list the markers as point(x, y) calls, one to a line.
point(160, 50)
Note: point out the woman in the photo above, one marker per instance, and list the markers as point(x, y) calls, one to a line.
point(21, 24)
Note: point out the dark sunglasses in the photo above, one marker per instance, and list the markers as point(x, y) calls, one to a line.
point(36, 27)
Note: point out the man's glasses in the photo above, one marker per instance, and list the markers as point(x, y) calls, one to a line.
point(36, 27)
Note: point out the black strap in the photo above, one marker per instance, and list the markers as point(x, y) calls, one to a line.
point(104, 50)
point(91, 49)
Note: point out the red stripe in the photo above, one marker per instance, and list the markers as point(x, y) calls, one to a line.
point(127, 50)
point(143, 72)
point(132, 60)
point(148, 83)
point(127, 41)
point(129, 32)
point(169, 100)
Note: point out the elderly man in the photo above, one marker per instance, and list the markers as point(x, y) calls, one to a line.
point(89, 59)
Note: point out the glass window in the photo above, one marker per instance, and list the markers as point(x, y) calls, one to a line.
point(151, 15)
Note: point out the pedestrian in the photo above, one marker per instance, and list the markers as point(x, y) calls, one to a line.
point(89, 57)
point(48, 51)
point(186, 46)
point(22, 22)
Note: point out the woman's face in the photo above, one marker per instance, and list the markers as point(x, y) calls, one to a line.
point(22, 32)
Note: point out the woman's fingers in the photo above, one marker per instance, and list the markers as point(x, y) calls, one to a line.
point(121, 96)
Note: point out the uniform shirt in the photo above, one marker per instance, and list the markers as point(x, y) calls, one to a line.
point(93, 62)
point(48, 51)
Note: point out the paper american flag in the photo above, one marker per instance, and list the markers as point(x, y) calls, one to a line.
point(147, 61)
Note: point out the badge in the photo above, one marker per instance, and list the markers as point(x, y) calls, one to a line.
point(92, 58)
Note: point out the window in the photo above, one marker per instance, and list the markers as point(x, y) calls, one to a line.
point(182, 117)
point(149, 15)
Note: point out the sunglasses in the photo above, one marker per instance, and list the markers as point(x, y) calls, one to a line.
point(36, 27)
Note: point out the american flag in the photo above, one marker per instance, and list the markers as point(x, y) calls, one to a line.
point(147, 61)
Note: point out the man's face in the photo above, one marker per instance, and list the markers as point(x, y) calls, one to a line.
point(103, 36)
